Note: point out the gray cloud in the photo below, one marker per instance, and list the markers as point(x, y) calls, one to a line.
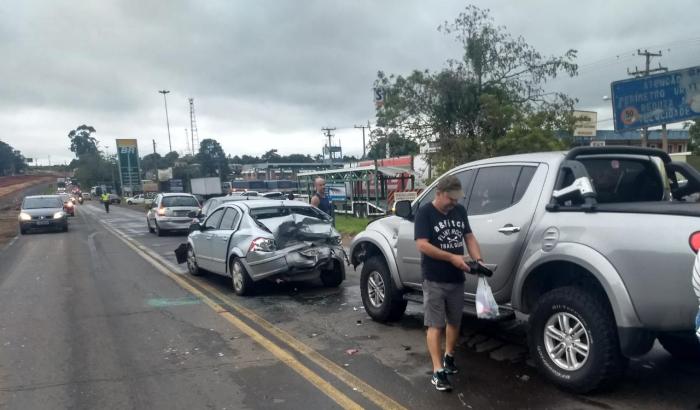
point(269, 74)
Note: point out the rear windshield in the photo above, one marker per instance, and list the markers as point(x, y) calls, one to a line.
point(36, 203)
point(266, 213)
point(624, 180)
point(170, 201)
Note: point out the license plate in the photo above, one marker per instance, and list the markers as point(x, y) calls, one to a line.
point(42, 222)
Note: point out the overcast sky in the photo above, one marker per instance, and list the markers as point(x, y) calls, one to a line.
point(271, 74)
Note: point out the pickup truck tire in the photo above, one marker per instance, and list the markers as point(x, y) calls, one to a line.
point(243, 285)
point(587, 353)
point(681, 346)
point(382, 301)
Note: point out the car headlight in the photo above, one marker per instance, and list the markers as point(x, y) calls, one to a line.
point(58, 215)
point(161, 211)
point(23, 216)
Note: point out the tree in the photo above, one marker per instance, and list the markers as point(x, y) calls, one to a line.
point(469, 106)
point(212, 159)
point(11, 160)
point(170, 158)
point(271, 156)
point(398, 145)
point(693, 135)
point(81, 140)
point(94, 169)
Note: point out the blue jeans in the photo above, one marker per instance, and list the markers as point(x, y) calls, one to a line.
point(697, 325)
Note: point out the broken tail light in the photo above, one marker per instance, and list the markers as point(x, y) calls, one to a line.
point(262, 245)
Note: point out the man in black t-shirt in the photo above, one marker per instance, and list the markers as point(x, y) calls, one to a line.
point(441, 230)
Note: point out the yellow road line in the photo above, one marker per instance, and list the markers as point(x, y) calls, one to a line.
point(372, 394)
point(281, 354)
point(369, 392)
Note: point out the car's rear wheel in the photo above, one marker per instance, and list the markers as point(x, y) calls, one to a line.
point(382, 301)
point(243, 285)
point(332, 278)
point(192, 266)
point(682, 346)
point(573, 340)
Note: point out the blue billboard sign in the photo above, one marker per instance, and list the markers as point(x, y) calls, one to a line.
point(656, 99)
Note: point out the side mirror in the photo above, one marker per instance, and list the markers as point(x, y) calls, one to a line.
point(195, 226)
point(403, 209)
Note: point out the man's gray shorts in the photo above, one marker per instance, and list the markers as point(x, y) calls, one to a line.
point(443, 303)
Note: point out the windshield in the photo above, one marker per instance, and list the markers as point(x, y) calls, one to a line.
point(170, 201)
point(265, 213)
point(37, 203)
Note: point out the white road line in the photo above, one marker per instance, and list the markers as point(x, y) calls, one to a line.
point(12, 241)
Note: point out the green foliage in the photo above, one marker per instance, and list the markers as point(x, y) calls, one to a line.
point(212, 159)
point(94, 169)
point(349, 225)
point(693, 136)
point(398, 145)
point(82, 142)
point(479, 105)
point(11, 160)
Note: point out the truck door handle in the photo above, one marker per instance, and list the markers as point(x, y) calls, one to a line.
point(509, 229)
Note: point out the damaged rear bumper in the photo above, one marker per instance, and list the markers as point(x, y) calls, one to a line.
point(300, 262)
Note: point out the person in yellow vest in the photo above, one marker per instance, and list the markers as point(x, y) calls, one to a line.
point(105, 201)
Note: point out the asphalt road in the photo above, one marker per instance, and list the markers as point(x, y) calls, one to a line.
point(102, 317)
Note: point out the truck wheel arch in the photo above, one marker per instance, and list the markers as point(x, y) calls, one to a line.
point(374, 244)
point(542, 271)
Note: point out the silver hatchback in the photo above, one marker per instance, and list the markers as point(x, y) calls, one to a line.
point(170, 212)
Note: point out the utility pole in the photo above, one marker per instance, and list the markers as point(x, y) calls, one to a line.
point(648, 71)
point(364, 144)
point(329, 134)
point(167, 121)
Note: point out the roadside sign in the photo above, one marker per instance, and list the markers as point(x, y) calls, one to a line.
point(378, 97)
point(336, 191)
point(586, 123)
point(128, 155)
point(656, 99)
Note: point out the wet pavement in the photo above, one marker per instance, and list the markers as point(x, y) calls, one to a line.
point(324, 330)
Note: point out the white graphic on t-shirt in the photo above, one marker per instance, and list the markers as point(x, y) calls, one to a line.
point(450, 234)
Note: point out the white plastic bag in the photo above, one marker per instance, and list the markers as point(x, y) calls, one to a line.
point(486, 306)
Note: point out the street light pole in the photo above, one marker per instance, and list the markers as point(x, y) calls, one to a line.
point(167, 121)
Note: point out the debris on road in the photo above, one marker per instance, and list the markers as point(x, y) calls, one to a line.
point(358, 323)
point(352, 351)
point(524, 377)
point(406, 347)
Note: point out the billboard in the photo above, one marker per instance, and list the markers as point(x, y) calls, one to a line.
point(656, 99)
point(586, 123)
point(128, 155)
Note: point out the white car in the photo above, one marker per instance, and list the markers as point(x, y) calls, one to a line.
point(139, 199)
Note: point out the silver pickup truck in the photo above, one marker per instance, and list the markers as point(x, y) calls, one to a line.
point(593, 245)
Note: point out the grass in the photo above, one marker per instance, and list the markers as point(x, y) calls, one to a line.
point(349, 225)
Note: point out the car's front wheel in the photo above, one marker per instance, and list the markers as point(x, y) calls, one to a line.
point(148, 223)
point(243, 285)
point(382, 301)
point(683, 346)
point(573, 340)
point(159, 231)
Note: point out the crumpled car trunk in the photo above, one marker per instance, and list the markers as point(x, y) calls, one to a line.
point(292, 229)
point(304, 244)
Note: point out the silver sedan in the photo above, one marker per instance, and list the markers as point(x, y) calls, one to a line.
point(251, 241)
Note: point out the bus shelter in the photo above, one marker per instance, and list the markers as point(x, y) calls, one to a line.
point(361, 191)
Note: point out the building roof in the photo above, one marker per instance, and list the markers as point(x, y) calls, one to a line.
point(612, 135)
